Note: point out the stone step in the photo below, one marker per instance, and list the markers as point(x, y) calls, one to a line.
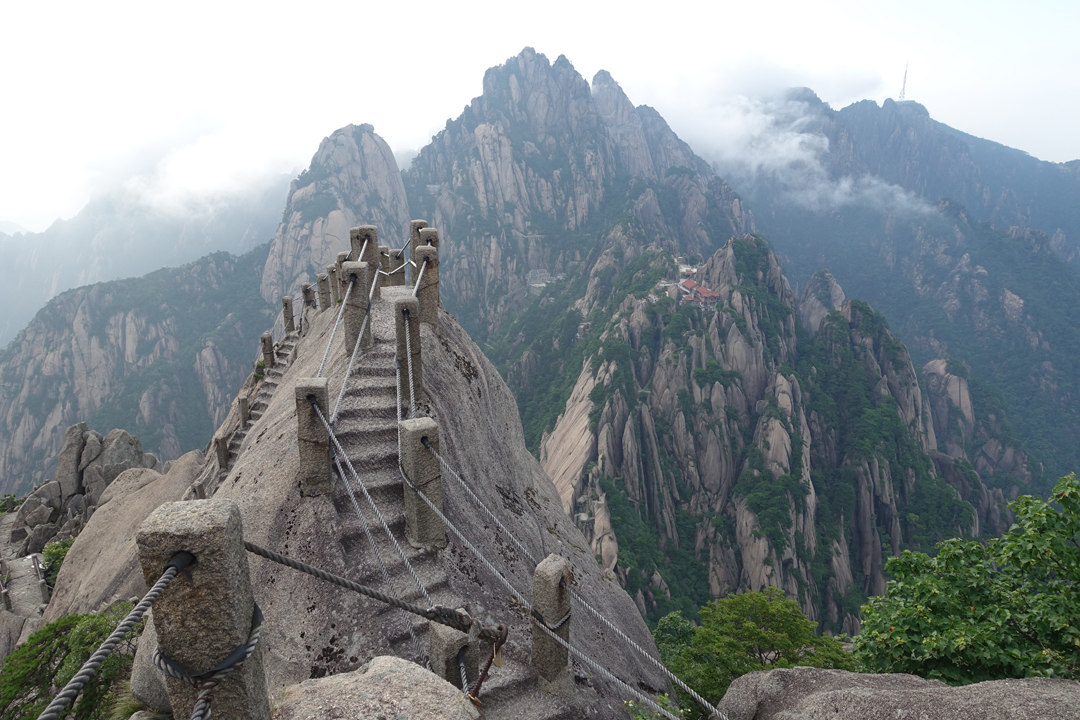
point(354, 411)
point(363, 433)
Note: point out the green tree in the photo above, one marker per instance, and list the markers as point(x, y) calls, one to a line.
point(54, 554)
point(50, 657)
point(740, 634)
point(1004, 609)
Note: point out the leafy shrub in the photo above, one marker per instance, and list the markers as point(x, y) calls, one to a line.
point(978, 612)
point(740, 634)
point(50, 658)
point(54, 554)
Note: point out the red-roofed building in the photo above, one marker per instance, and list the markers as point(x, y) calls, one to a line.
point(695, 292)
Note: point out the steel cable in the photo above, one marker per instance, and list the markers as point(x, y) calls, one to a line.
point(341, 311)
point(459, 620)
point(356, 478)
point(705, 704)
point(419, 277)
point(356, 347)
point(76, 684)
point(408, 356)
point(205, 682)
point(528, 606)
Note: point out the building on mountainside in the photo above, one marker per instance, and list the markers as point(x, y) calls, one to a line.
point(361, 379)
point(697, 293)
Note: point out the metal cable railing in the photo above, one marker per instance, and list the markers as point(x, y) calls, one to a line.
point(518, 595)
point(70, 691)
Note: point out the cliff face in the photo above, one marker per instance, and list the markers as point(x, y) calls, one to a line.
point(161, 355)
point(538, 167)
point(963, 244)
point(708, 449)
point(314, 629)
point(353, 179)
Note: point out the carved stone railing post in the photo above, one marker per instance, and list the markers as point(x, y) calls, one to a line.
point(287, 313)
point(322, 282)
point(335, 286)
point(401, 304)
point(415, 226)
point(208, 609)
point(429, 236)
point(395, 268)
point(342, 258)
point(221, 444)
point(445, 642)
point(358, 236)
point(316, 471)
point(308, 294)
point(267, 341)
point(551, 599)
point(427, 292)
point(245, 410)
point(357, 306)
point(423, 527)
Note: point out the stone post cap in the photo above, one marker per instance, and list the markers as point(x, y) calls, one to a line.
point(417, 225)
point(359, 270)
point(286, 299)
point(311, 386)
point(424, 427)
point(266, 336)
point(429, 236)
point(426, 252)
point(407, 303)
point(321, 277)
point(370, 233)
point(553, 570)
point(194, 526)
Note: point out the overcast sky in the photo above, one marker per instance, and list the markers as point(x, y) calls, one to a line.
point(199, 97)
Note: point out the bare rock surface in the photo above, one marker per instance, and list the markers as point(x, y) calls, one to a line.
point(101, 567)
point(315, 630)
point(814, 694)
point(386, 687)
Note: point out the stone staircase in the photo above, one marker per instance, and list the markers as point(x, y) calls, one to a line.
point(366, 426)
point(267, 387)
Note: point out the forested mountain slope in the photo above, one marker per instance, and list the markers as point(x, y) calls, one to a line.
point(123, 234)
point(710, 448)
point(956, 240)
point(162, 355)
point(534, 174)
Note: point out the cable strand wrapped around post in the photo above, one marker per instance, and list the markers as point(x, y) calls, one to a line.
point(90, 667)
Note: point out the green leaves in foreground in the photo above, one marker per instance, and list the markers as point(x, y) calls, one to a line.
point(50, 658)
point(740, 634)
point(1006, 609)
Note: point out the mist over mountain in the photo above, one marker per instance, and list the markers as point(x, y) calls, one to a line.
point(125, 232)
point(782, 425)
point(969, 248)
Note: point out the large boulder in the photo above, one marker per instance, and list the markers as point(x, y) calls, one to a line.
point(813, 694)
point(102, 566)
point(386, 687)
point(11, 627)
point(67, 463)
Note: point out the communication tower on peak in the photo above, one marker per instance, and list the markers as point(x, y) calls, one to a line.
point(904, 86)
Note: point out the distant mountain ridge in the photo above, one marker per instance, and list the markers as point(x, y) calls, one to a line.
point(968, 247)
point(121, 234)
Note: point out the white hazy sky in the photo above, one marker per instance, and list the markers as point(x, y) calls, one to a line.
point(198, 97)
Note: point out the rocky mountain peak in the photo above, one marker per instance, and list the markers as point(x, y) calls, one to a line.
point(823, 294)
point(353, 179)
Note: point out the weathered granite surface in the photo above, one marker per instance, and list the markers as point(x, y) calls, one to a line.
point(386, 687)
point(814, 694)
